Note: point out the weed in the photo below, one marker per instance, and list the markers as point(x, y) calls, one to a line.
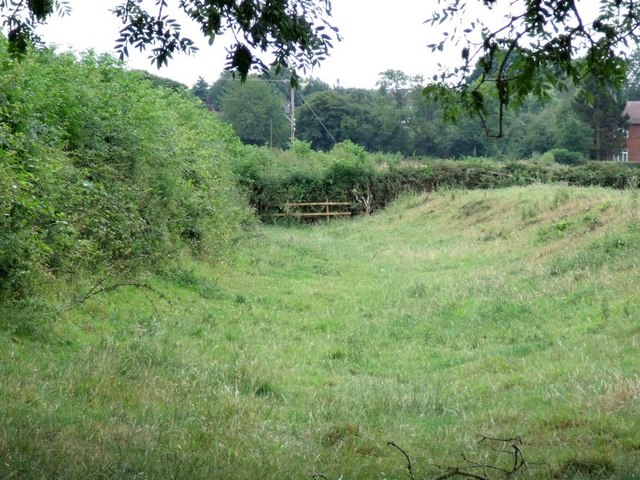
point(490, 235)
point(265, 389)
point(188, 278)
point(591, 221)
point(211, 290)
point(184, 277)
point(340, 433)
point(561, 196)
point(563, 225)
point(604, 206)
point(530, 211)
point(475, 207)
point(30, 317)
point(556, 230)
point(418, 290)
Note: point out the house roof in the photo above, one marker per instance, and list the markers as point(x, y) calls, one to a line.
point(632, 109)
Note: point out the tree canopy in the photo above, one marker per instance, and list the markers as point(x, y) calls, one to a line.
point(398, 118)
point(255, 109)
point(541, 45)
point(296, 33)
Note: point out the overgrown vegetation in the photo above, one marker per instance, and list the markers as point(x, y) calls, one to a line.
point(447, 315)
point(350, 174)
point(101, 171)
point(473, 308)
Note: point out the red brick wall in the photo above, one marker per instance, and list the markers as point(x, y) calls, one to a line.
point(633, 143)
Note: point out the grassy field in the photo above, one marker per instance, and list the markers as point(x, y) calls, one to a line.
point(452, 315)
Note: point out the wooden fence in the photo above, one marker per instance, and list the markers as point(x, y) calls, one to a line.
point(315, 210)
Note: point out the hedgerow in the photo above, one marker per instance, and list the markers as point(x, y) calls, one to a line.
point(100, 170)
point(347, 173)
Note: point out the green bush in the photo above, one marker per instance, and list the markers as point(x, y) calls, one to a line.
point(567, 157)
point(103, 170)
point(348, 173)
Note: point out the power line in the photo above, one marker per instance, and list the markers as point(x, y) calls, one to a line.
point(304, 101)
point(291, 119)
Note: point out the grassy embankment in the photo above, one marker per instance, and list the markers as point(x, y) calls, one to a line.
point(506, 312)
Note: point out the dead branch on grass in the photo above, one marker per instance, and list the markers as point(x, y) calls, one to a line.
point(517, 456)
point(409, 464)
point(454, 471)
point(513, 450)
point(100, 287)
point(364, 198)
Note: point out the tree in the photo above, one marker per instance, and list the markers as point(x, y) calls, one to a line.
point(295, 33)
point(201, 89)
point(601, 109)
point(540, 46)
point(162, 81)
point(398, 84)
point(465, 137)
point(557, 125)
point(217, 89)
point(320, 121)
point(332, 116)
point(313, 85)
point(392, 129)
point(255, 109)
point(426, 116)
point(633, 76)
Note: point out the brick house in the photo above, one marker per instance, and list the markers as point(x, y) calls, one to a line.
point(631, 151)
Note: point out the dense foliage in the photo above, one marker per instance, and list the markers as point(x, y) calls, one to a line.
point(102, 170)
point(396, 118)
point(348, 173)
point(535, 48)
point(296, 33)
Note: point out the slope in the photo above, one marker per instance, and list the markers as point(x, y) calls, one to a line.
point(450, 315)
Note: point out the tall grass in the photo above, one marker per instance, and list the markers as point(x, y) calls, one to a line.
point(458, 313)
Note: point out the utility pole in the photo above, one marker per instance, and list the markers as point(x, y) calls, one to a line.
point(293, 115)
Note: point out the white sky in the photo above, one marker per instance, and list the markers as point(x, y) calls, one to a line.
point(377, 35)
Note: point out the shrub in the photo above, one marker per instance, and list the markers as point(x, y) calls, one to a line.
point(101, 169)
point(567, 157)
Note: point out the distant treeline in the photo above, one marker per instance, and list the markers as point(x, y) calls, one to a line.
point(397, 118)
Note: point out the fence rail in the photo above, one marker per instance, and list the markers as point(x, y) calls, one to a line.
point(314, 210)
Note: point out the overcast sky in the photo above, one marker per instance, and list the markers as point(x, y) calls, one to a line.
point(378, 35)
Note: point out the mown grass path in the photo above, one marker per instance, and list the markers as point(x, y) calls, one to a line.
point(503, 313)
